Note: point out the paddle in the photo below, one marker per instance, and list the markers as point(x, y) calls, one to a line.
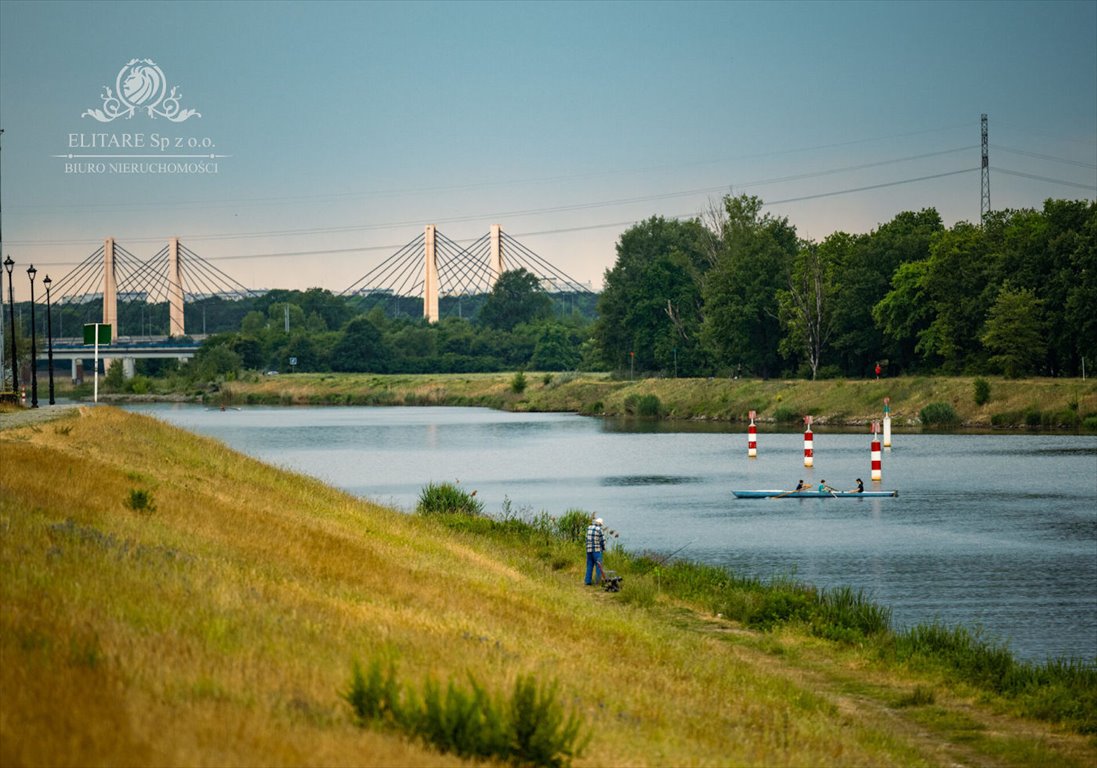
point(786, 493)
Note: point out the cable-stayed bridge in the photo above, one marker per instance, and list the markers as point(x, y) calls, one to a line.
point(145, 300)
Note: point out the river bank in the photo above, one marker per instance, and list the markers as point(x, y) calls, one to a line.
point(1008, 404)
point(174, 602)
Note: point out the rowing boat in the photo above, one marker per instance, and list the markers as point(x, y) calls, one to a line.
point(813, 494)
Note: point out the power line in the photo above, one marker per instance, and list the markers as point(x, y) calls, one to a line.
point(1090, 187)
point(1052, 158)
point(536, 211)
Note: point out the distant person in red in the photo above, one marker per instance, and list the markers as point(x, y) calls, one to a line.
point(877, 370)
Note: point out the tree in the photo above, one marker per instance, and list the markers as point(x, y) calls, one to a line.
point(868, 264)
point(555, 350)
point(1014, 332)
point(959, 285)
point(361, 347)
point(652, 304)
point(516, 298)
point(741, 321)
point(805, 307)
point(904, 315)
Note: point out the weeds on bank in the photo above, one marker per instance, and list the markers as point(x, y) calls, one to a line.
point(528, 728)
point(1060, 691)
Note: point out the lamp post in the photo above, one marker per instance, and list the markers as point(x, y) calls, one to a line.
point(31, 272)
point(8, 265)
point(49, 332)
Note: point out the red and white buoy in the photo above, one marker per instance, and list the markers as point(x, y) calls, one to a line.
point(752, 438)
point(887, 422)
point(809, 445)
point(877, 473)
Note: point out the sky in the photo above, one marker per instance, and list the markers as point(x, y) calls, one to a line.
point(339, 130)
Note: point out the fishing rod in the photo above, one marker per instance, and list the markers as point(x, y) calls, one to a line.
point(663, 560)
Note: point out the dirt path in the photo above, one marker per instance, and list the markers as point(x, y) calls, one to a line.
point(25, 417)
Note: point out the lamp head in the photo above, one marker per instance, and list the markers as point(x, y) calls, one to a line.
point(31, 272)
point(47, 282)
point(8, 264)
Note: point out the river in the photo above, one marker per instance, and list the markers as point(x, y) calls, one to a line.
point(990, 531)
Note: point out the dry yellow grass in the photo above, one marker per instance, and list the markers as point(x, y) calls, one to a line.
point(220, 627)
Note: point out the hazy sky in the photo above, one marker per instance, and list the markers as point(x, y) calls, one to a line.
point(346, 127)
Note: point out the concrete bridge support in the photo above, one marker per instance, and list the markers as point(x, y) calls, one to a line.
point(430, 276)
point(110, 287)
point(175, 290)
point(497, 265)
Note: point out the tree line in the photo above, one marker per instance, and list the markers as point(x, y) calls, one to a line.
point(737, 292)
point(732, 292)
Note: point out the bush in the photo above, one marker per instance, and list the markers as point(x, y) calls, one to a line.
point(140, 501)
point(518, 383)
point(782, 414)
point(649, 407)
point(982, 391)
point(572, 525)
point(530, 729)
point(939, 415)
point(447, 498)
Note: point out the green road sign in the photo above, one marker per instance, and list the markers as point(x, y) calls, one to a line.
point(104, 330)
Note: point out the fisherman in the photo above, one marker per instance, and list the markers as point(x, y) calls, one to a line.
point(596, 545)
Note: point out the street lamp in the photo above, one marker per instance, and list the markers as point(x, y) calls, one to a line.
point(31, 272)
point(8, 265)
point(49, 332)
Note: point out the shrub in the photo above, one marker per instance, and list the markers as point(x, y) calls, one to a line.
point(982, 391)
point(939, 415)
point(447, 498)
point(649, 407)
point(518, 383)
point(572, 525)
point(374, 696)
point(530, 729)
point(140, 501)
point(783, 414)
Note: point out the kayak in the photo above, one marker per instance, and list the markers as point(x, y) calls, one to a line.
point(811, 493)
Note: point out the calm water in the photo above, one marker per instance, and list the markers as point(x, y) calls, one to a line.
point(998, 531)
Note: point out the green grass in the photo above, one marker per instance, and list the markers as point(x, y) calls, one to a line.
point(1058, 691)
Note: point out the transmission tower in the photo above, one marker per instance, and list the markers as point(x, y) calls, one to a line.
point(984, 203)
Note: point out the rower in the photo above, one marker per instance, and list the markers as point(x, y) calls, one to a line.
point(860, 486)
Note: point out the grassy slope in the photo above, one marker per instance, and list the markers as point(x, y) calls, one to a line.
point(220, 627)
point(837, 401)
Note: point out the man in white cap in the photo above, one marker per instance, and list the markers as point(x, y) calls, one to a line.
point(596, 545)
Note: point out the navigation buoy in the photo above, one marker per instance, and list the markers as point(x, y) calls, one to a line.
point(809, 449)
point(877, 473)
point(887, 422)
point(752, 438)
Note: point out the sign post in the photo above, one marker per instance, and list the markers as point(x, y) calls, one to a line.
point(97, 333)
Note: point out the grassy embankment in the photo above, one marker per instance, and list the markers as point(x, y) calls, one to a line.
point(164, 600)
point(1023, 403)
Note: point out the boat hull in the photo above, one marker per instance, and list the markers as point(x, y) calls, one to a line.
point(813, 494)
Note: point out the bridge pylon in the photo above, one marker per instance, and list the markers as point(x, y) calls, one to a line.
point(110, 286)
point(176, 325)
point(430, 275)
